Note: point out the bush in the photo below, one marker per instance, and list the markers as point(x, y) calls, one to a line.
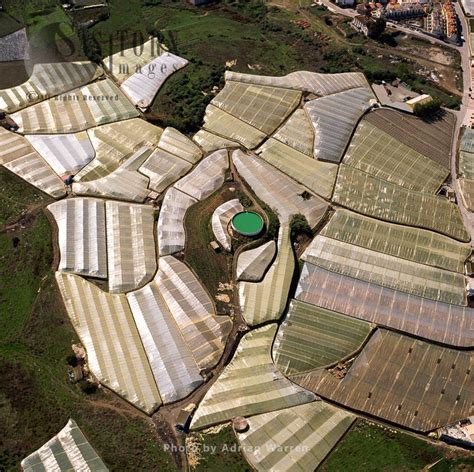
point(299, 226)
point(425, 110)
point(72, 360)
point(245, 200)
point(87, 387)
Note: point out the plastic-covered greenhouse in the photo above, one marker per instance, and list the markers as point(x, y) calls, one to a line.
point(279, 191)
point(95, 104)
point(131, 252)
point(212, 142)
point(253, 263)
point(375, 197)
point(413, 244)
point(251, 384)
point(48, 80)
point(311, 338)
point(435, 321)
point(18, 156)
point(388, 271)
point(180, 145)
point(220, 221)
point(403, 380)
point(377, 153)
point(81, 236)
point(68, 450)
point(297, 133)
point(308, 431)
point(115, 353)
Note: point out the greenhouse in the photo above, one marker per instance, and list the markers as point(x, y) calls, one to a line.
point(115, 353)
point(163, 169)
point(68, 450)
point(380, 199)
point(123, 64)
point(131, 253)
point(377, 153)
point(403, 380)
point(174, 368)
point(334, 118)
point(467, 193)
point(296, 439)
point(81, 236)
point(66, 154)
point(193, 311)
point(413, 244)
point(180, 145)
point(388, 271)
point(434, 321)
point(124, 183)
point(262, 107)
point(144, 84)
point(311, 338)
point(206, 177)
point(278, 191)
point(46, 81)
point(220, 221)
point(116, 142)
point(250, 384)
point(431, 138)
point(311, 82)
point(219, 122)
point(297, 133)
point(317, 176)
point(17, 155)
point(211, 142)
point(253, 263)
point(171, 232)
point(266, 300)
point(95, 104)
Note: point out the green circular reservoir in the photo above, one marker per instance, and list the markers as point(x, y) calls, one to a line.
point(247, 223)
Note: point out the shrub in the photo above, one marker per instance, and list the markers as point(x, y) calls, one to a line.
point(299, 226)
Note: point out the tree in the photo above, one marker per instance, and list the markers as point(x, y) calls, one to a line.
point(376, 28)
point(425, 110)
point(299, 226)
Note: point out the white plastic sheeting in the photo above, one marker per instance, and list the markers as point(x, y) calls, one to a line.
point(250, 384)
point(69, 451)
point(297, 133)
point(194, 312)
point(252, 264)
point(220, 221)
point(212, 142)
point(334, 119)
point(131, 252)
point(312, 82)
point(180, 145)
point(48, 80)
point(163, 169)
point(144, 84)
point(17, 155)
point(95, 104)
point(171, 359)
point(81, 236)
point(65, 153)
point(207, 177)
point(266, 300)
point(115, 143)
point(115, 353)
point(171, 233)
point(221, 123)
point(317, 176)
point(125, 183)
point(278, 191)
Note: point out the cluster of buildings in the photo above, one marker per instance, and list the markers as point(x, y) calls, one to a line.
point(436, 18)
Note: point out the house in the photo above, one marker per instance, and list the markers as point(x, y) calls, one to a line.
point(345, 3)
point(361, 24)
point(420, 100)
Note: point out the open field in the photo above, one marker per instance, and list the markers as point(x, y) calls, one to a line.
point(372, 448)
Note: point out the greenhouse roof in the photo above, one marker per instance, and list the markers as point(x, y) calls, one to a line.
point(379, 154)
point(251, 384)
point(311, 338)
point(253, 263)
point(297, 133)
point(220, 221)
point(435, 321)
point(68, 450)
point(403, 380)
point(380, 199)
point(295, 439)
point(413, 244)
